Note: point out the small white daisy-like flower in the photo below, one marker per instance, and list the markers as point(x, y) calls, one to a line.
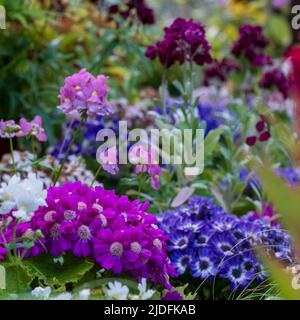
point(117, 291)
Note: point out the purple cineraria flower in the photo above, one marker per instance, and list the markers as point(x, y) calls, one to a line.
point(33, 128)
point(109, 250)
point(9, 129)
point(83, 93)
point(251, 44)
point(96, 223)
point(184, 40)
point(174, 295)
point(233, 269)
point(204, 263)
point(179, 241)
point(181, 261)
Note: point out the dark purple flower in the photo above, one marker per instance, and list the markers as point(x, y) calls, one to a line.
point(251, 141)
point(265, 136)
point(275, 79)
point(219, 71)
point(251, 44)
point(184, 40)
point(144, 13)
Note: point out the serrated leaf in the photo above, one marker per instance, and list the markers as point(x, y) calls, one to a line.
point(52, 273)
point(17, 279)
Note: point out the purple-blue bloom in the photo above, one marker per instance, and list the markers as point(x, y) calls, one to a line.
point(221, 244)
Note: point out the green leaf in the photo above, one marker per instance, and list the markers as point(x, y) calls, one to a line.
point(108, 49)
point(72, 270)
point(279, 30)
point(17, 279)
point(211, 141)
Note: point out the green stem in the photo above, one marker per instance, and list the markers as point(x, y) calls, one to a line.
point(164, 86)
point(12, 154)
point(67, 153)
point(33, 148)
point(142, 179)
point(96, 176)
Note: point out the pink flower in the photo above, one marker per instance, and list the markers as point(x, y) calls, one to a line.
point(146, 160)
point(83, 93)
point(9, 129)
point(109, 160)
point(33, 128)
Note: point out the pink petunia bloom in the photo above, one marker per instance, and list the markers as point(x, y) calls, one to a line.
point(33, 128)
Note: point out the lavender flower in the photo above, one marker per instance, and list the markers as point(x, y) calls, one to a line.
point(9, 129)
point(83, 93)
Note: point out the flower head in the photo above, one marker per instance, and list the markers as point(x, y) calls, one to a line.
point(224, 245)
point(83, 93)
point(22, 197)
point(9, 129)
point(184, 40)
point(117, 291)
point(275, 79)
point(251, 44)
point(33, 128)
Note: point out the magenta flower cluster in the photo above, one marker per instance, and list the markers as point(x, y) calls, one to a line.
point(275, 79)
point(34, 128)
point(83, 93)
point(184, 40)
point(251, 44)
point(97, 224)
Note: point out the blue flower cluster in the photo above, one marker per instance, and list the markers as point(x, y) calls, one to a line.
point(208, 242)
point(290, 175)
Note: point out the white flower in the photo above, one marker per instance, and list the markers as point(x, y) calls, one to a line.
point(84, 294)
point(144, 294)
point(41, 293)
point(63, 296)
point(117, 291)
point(22, 196)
